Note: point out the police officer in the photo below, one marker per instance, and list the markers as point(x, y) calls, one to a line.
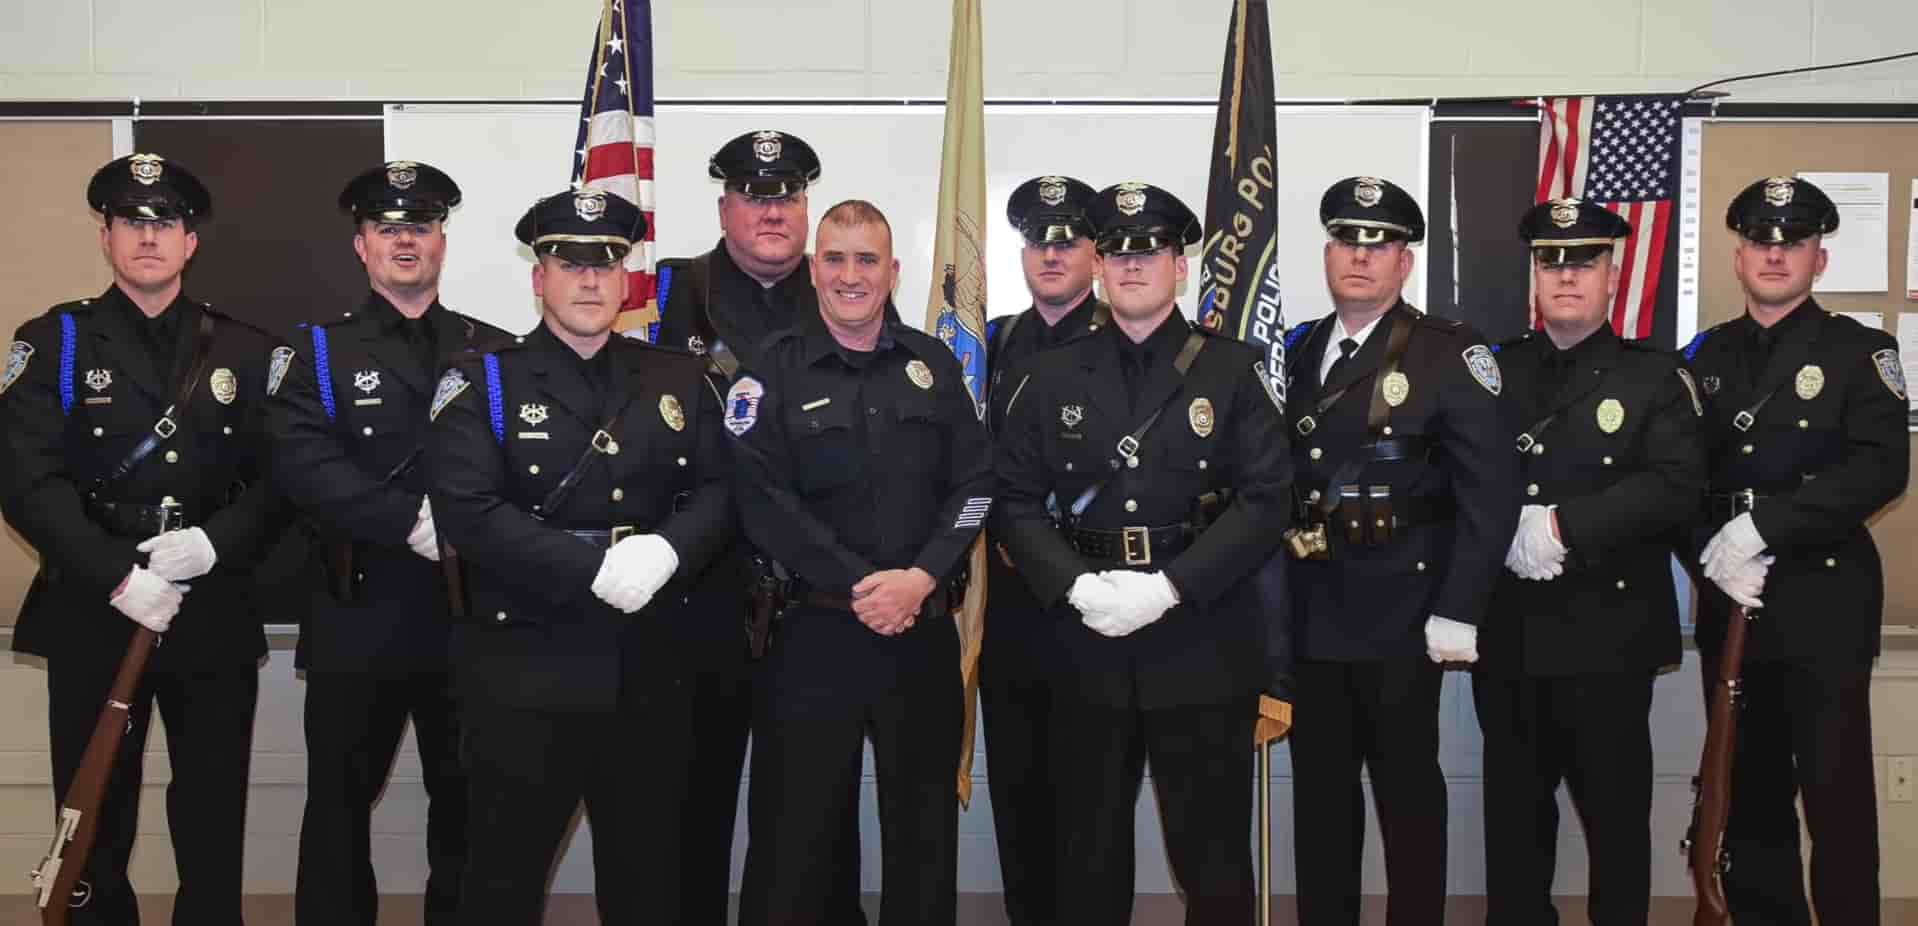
point(864, 470)
point(582, 480)
point(1612, 460)
point(1163, 453)
point(1806, 439)
point(133, 462)
point(1403, 516)
point(349, 427)
point(1059, 261)
point(724, 303)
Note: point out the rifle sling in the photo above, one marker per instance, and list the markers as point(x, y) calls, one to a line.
point(164, 428)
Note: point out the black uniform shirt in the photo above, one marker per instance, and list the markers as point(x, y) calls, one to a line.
point(854, 463)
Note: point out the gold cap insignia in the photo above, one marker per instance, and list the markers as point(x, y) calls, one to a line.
point(1611, 416)
point(671, 412)
point(1131, 198)
point(401, 175)
point(1369, 191)
point(1779, 190)
point(1565, 213)
point(919, 373)
point(768, 146)
point(1201, 417)
point(146, 168)
point(589, 204)
point(1052, 190)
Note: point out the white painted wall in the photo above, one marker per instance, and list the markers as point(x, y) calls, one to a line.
point(1072, 49)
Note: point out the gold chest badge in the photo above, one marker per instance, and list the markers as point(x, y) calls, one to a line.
point(224, 385)
point(920, 374)
point(671, 412)
point(1396, 388)
point(1611, 416)
point(1201, 417)
point(1811, 381)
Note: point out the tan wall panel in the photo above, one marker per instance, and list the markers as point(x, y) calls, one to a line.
point(1736, 153)
point(53, 255)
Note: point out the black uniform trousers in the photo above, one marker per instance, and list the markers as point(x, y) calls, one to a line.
point(527, 772)
point(1593, 733)
point(721, 702)
point(1805, 732)
point(1015, 710)
point(354, 723)
point(1383, 717)
point(1201, 757)
point(209, 730)
point(809, 735)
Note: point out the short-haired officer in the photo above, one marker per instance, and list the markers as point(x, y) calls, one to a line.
point(1141, 470)
point(349, 425)
point(1403, 516)
point(1805, 424)
point(134, 461)
point(582, 479)
point(1612, 462)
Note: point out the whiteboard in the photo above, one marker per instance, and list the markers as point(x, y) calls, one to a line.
point(505, 156)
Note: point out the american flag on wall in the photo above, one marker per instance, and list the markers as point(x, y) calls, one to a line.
point(614, 151)
point(1620, 152)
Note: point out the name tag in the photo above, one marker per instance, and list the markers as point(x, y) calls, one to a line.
point(368, 401)
point(98, 400)
point(816, 403)
point(532, 435)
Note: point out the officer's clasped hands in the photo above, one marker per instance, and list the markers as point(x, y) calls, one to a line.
point(888, 601)
point(1118, 602)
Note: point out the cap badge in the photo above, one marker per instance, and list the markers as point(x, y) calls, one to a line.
point(1779, 190)
point(767, 146)
point(1052, 190)
point(401, 175)
point(1611, 416)
point(1369, 191)
point(1199, 414)
point(225, 386)
point(1396, 388)
point(671, 412)
point(1810, 382)
point(146, 168)
point(1131, 198)
point(919, 373)
point(1565, 213)
point(589, 204)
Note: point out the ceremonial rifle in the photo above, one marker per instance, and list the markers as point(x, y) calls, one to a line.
point(1704, 843)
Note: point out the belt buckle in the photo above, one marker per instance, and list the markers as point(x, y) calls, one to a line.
point(172, 516)
point(1743, 420)
point(1744, 500)
point(1139, 554)
point(604, 443)
point(620, 533)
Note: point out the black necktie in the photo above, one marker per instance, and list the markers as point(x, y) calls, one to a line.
point(1347, 348)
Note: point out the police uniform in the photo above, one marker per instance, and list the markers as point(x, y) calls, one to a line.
point(349, 426)
point(708, 305)
point(1404, 506)
point(1609, 446)
point(1190, 496)
point(561, 696)
point(1014, 698)
point(1805, 431)
point(851, 463)
point(85, 384)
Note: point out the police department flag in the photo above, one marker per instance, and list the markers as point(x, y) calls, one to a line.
point(1239, 266)
point(614, 150)
point(956, 309)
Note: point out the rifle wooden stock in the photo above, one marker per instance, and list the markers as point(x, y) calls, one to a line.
point(455, 572)
point(59, 873)
point(1704, 844)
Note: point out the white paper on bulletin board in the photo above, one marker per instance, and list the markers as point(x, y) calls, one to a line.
point(1911, 247)
point(1908, 352)
point(1859, 247)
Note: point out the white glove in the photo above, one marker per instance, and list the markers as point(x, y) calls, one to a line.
point(1743, 582)
point(634, 570)
point(425, 538)
point(1536, 552)
point(1139, 599)
point(1092, 593)
point(147, 599)
point(177, 556)
point(1734, 543)
point(1450, 641)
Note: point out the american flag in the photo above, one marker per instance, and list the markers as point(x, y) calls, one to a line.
point(614, 151)
point(1620, 152)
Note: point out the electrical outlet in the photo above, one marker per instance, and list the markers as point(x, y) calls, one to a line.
point(1899, 786)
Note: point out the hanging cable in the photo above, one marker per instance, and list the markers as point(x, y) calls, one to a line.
point(1804, 70)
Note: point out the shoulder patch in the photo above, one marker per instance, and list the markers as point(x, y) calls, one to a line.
point(742, 405)
point(17, 359)
point(276, 370)
point(1484, 368)
point(450, 387)
point(1891, 371)
point(1691, 387)
point(1271, 386)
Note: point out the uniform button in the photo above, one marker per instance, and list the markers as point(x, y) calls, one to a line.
point(1538, 450)
point(682, 461)
point(227, 430)
point(501, 616)
point(173, 456)
point(1608, 461)
point(1355, 525)
point(1803, 424)
point(619, 495)
point(1380, 522)
point(1388, 430)
point(872, 411)
point(1068, 466)
point(1202, 464)
point(1831, 562)
point(1112, 464)
point(99, 431)
point(1315, 496)
point(1532, 489)
point(1747, 449)
point(368, 430)
point(1131, 462)
point(1131, 505)
point(1621, 585)
point(515, 340)
point(534, 469)
point(1421, 566)
point(359, 577)
point(1317, 453)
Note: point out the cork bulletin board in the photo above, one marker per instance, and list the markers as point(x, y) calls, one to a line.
point(1736, 152)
